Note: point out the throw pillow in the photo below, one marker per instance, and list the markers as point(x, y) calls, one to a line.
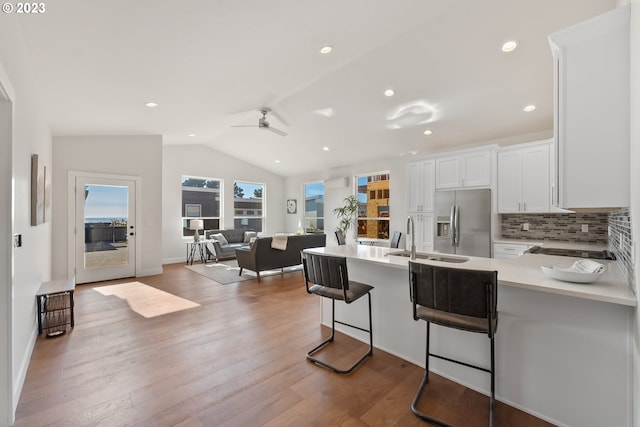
point(220, 238)
point(248, 235)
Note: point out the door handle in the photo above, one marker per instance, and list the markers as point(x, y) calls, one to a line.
point(452, 225)
point(456, 233)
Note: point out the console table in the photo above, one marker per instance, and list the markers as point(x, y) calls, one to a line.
point(54, 304)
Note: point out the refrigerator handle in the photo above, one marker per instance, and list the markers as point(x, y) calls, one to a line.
point(457, 226)
point(452, 225)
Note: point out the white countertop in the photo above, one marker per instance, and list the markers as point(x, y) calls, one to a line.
point(523, 272)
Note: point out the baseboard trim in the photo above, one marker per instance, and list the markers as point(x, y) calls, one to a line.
point(150, 272)
point(22, 372)
point(174, 260)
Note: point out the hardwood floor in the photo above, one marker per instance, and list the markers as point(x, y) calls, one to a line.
point(237, 359)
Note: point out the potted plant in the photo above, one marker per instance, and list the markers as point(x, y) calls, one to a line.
point(346, 213)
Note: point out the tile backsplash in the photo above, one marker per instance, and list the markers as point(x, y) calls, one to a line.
point(567, 227)
point(612, 229)
point(620, 243)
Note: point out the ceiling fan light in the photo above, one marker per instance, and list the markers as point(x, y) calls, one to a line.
point(326, 49)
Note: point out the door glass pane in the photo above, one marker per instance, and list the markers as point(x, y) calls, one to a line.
point(105, 225)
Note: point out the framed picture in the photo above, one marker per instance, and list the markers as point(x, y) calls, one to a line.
point(292, 206)
point(38, 189)
point(192, 210)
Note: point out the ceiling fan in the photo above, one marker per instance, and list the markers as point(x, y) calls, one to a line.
point(263, 123)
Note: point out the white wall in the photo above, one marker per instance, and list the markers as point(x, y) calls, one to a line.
point(334, 196)
point(31, 264)
point(119, 155)
point(202, 161)
point(635, 192)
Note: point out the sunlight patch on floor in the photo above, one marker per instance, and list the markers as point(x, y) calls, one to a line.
point(146, 300)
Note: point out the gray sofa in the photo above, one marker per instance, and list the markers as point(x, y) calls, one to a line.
point(235, 239)
point(261, 256)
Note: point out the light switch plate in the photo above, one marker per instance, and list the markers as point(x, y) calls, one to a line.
point(585, 228)
point(525, 226)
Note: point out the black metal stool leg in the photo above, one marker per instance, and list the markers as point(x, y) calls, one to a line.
point(330, 339)
point(492, 403)
point(425, 380)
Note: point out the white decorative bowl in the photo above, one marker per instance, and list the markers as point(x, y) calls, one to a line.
point(563, 273)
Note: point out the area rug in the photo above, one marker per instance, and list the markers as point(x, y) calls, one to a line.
point(226, 272)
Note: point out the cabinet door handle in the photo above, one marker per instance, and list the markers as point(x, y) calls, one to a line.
point(519, 206)
point(524, 206)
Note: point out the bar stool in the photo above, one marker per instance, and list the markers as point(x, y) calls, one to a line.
point(454, 298)
point(329, 278)
point(395, 240)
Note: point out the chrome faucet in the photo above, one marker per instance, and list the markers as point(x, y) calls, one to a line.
point(411, 230)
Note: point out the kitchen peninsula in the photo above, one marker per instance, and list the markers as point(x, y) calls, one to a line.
point(562, 349)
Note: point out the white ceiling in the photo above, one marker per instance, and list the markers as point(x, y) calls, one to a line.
point(210, 64)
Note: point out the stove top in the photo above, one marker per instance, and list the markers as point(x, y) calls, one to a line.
point(578, 253)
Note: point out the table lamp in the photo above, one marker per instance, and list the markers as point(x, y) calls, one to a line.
point(196, 224)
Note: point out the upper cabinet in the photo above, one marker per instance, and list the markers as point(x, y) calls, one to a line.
point(420, 177)
point(591, 123)
point(524, 177)
point(469, 169)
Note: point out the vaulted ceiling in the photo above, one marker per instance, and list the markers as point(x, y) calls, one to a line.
point(210, 65)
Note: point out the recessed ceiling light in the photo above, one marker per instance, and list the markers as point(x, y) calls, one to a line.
point(151, 104)
point(529, 108)
point(389, 92)
point(326, 49)
point(413, 152)
point(509, 46)
point(325, 148)
point(192, 134)
point(428, 132)
point(277, 161)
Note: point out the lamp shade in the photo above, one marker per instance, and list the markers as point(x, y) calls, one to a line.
point(196, 224)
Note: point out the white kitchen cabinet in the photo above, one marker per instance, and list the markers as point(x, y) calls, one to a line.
point(420, 186)
point(509, 250)
point(423, 224)
point(591, 122)
point(420, 189)
point(524, 178)
point(470, 169)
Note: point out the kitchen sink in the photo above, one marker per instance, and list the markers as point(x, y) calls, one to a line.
point(430, 257)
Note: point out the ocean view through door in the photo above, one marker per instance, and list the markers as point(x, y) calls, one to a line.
point(104, 229)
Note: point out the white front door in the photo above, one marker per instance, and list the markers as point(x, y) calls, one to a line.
point(104, 229)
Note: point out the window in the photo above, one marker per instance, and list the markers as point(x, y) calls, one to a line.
point(248, 206)
point(314, 207)
point(373, 210)
point(200, 200)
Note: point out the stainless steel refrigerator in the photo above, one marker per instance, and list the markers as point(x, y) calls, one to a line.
point(463, 222)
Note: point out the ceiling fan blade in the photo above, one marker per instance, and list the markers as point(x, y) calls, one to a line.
point(244, 126)
point(278, 131)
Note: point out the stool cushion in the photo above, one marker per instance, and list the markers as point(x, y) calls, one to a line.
point(458, 321)
point(355, 291)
